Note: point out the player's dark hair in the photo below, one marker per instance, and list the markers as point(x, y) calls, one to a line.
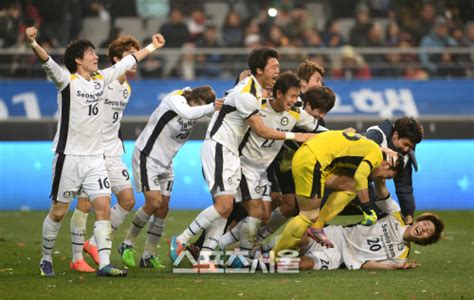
point(202, 93)
point(76, 49)
point(322, 98)
point(439, 227)
point(120, 45)
point(409, 128)
point(258, 58)
point(286, 81)
point(307, 68)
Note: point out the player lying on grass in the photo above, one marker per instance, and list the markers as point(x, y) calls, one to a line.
point(384, 245)
point(79, 153)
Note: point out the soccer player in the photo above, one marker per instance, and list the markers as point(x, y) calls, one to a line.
point(323, 162)
point(318, 103)
point(79, 161)
point(402, 137)
point(116, 97)
point(257, 153)
point(219, 153)
point(167, 130)
point(385, 245)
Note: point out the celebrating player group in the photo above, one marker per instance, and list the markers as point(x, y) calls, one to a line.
point(268, 159)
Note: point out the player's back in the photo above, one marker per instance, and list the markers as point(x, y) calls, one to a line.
point(228, 127)
point(339, 148)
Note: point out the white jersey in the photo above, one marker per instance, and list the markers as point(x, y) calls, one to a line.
point(169, 127)
point(80, 105)
point(259, 152)
point(381, 242)
point(228, 126)
point(116, 98)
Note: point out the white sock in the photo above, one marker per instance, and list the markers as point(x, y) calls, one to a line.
point(154, 232)
point(231, 236)
point(214, 233)
point(50, 232)
point(117, 216)
point(102, 234)
point(249, 232)
point(276, 220)
point(139, 220)
point(202, 221)
point(78, 230)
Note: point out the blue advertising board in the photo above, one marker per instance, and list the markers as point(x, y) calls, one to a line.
point(381, 98)
point(445, 180)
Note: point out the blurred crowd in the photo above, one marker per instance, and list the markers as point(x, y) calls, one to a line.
point(279, 23)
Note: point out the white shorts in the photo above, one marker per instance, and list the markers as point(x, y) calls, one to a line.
point(118, 175)
point(221, 168)
point(150, 175)
point(253, 185)
point(73, 172)
point(328, 258)
point(325, 258)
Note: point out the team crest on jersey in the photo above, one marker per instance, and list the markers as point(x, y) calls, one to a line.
point(284, 121)
point(97, 85)
point(125, 94)
point(229, 180)
point(67, 194)
point(156, 180)
point(257, 189)
point(401, 246)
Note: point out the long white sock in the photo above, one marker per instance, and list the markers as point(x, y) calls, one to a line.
point(214, 233)
point(154, 232)
point(139, 220)
point(117, 216)
point(202, 221)
point(50, 232)
point(276, 220)
point(78, 230)
point(249, 232)
point(231, 236)
point(102, 234)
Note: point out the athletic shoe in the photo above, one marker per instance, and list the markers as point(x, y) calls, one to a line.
point(46, 268)
point(128, 255)
point(151, 262)
point(176, 247)
point(111, 271)
point(319, 236)
point(81, 266)
point(92, 251)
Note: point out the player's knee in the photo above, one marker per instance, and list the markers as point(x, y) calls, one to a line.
point(256, 212)
point(128, 203)
point(265, 218)
point(224, 208)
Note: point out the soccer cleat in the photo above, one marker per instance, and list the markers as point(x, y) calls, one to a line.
point(46, 268)
point(81, 266)
point(369, 219)
point(176, 247)
point(151, 262)
point(128, 255)
point(111, 271)
point(319, 236)
point(92, 251)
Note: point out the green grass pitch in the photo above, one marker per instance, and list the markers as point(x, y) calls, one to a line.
point(446, 271)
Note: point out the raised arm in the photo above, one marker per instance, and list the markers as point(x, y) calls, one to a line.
point(57, 74)
point(182, 108)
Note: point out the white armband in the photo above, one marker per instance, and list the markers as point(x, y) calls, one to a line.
point(290, 135)
point(33, 44)
point(151, 48)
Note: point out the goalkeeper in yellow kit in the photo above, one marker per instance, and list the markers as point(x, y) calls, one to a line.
point(341, 161)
